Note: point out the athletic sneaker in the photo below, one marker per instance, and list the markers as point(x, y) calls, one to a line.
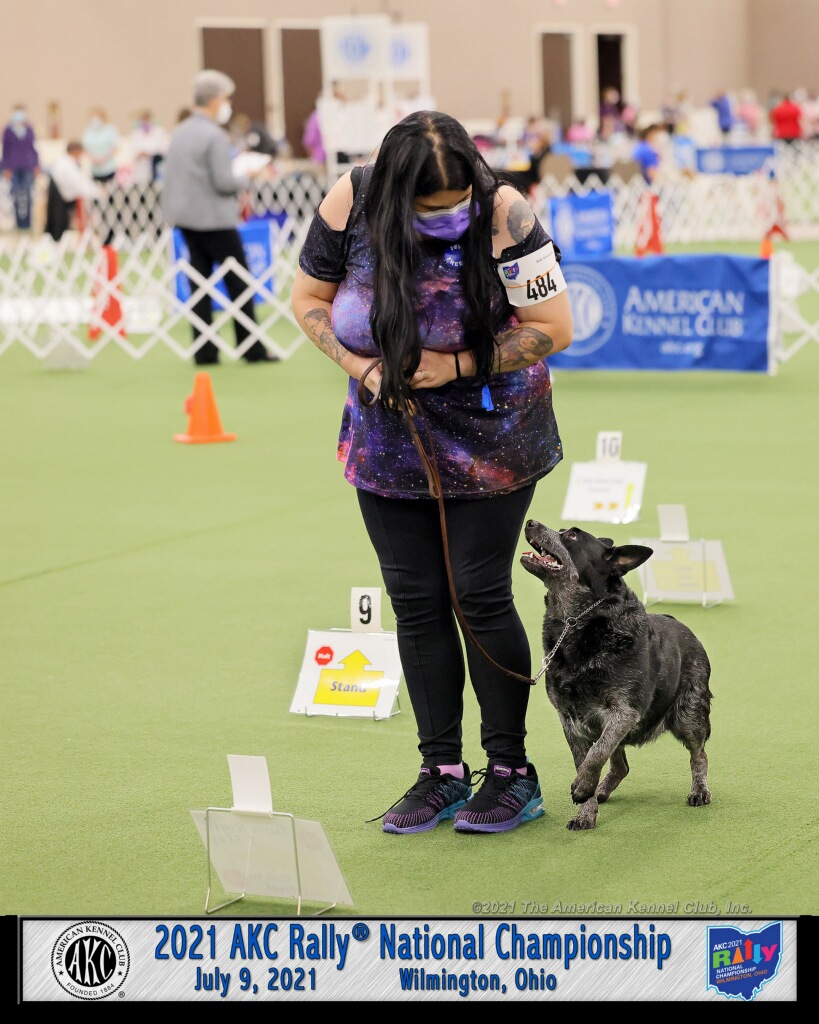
point(505, 800)
point(433, 798)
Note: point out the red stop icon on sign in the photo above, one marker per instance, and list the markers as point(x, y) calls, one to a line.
point(324, 655)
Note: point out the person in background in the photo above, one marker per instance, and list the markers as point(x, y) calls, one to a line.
point(749, 112)
point(148, 143)
point(312, 138)
point(629, 116)
point(68, 182)
point(786, 119)
point(20, 164)
point(100, 141)
point(611, 113)
point(648, 151)
point(420, 260)
point(54, 120)
point(579, 131)
point(721, 103)
point(670, 114)
point(249, 136)
point(539, 146)
point(810, 115)
point(200, 196)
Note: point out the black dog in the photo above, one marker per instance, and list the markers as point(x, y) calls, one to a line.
point(617, 675)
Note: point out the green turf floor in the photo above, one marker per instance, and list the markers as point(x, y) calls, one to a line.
point(155, 600)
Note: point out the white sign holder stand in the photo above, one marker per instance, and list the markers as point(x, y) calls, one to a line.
point(351, 673)
point(682, 570)
point(606, 490)
point(256, 851)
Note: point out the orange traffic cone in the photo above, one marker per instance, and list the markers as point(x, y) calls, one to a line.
point(204, 424)
point(648, 227)
point(766, 248)
point(107, 306)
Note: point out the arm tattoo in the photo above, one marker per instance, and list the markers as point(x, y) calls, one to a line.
point(520, 220)
point(321, 331)
point(517, 346)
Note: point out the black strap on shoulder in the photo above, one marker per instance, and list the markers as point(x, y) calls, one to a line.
point(356, 174)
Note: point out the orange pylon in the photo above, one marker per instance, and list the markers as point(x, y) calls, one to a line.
point(648, 226)
point(107, 306)
point(766, 248)
point(204, 423)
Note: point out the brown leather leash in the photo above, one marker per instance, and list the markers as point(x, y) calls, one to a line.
point(430, 464)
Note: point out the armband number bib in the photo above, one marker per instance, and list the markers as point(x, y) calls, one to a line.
point(533, 278)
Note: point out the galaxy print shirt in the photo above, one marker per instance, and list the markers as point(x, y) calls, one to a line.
point(485, 443)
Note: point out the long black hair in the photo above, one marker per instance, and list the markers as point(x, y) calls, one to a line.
point(427, 152)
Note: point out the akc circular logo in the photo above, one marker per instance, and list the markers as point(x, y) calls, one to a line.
point(355, 48)
point(594, 309)
point(90, 960)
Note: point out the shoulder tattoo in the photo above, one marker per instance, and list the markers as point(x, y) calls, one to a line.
point(520, 220)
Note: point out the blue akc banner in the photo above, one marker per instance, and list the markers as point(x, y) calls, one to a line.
point(734, 159)
point(583, 225)
point(257, 241)
point(692, 312)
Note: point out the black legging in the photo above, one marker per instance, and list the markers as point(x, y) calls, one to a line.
point(483, 536)
point(207, 249)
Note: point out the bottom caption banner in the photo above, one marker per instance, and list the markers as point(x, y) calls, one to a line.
point(447, 960)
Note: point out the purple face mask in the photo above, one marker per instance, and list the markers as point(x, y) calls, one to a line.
point(448, 225)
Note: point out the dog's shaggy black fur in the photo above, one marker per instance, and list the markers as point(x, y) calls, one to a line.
point(620, 676)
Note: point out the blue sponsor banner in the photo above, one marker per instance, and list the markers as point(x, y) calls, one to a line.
point(580, 155)
point(583, 225)
point(734, 159)
point(256, 235)
point(693, 312)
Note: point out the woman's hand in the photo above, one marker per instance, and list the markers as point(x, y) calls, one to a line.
point(373, 379)
point(438, 368)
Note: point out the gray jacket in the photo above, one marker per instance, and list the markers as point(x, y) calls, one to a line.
point(199, 190)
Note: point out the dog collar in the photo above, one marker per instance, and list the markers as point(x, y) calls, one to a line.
point(569, 623)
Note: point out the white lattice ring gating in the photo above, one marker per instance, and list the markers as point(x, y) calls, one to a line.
point(55, 294)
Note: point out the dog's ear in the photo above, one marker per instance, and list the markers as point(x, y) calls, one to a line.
point(628, 557)
point(607, 541)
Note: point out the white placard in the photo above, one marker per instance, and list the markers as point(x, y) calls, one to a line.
point(409, 52)
point(673, 522)
point(248, 162)
point(604, 492)
point(355, 47)
point(348, 674)
point(685, 572)
point(609, 445)
point(256, 854)
point(250, 781)
point(365, 609)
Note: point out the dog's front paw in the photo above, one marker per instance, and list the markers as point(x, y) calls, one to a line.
point(699, 797)
point(583, 788)
point(582, 822)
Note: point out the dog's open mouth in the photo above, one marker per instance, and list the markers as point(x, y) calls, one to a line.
point(542, 559)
